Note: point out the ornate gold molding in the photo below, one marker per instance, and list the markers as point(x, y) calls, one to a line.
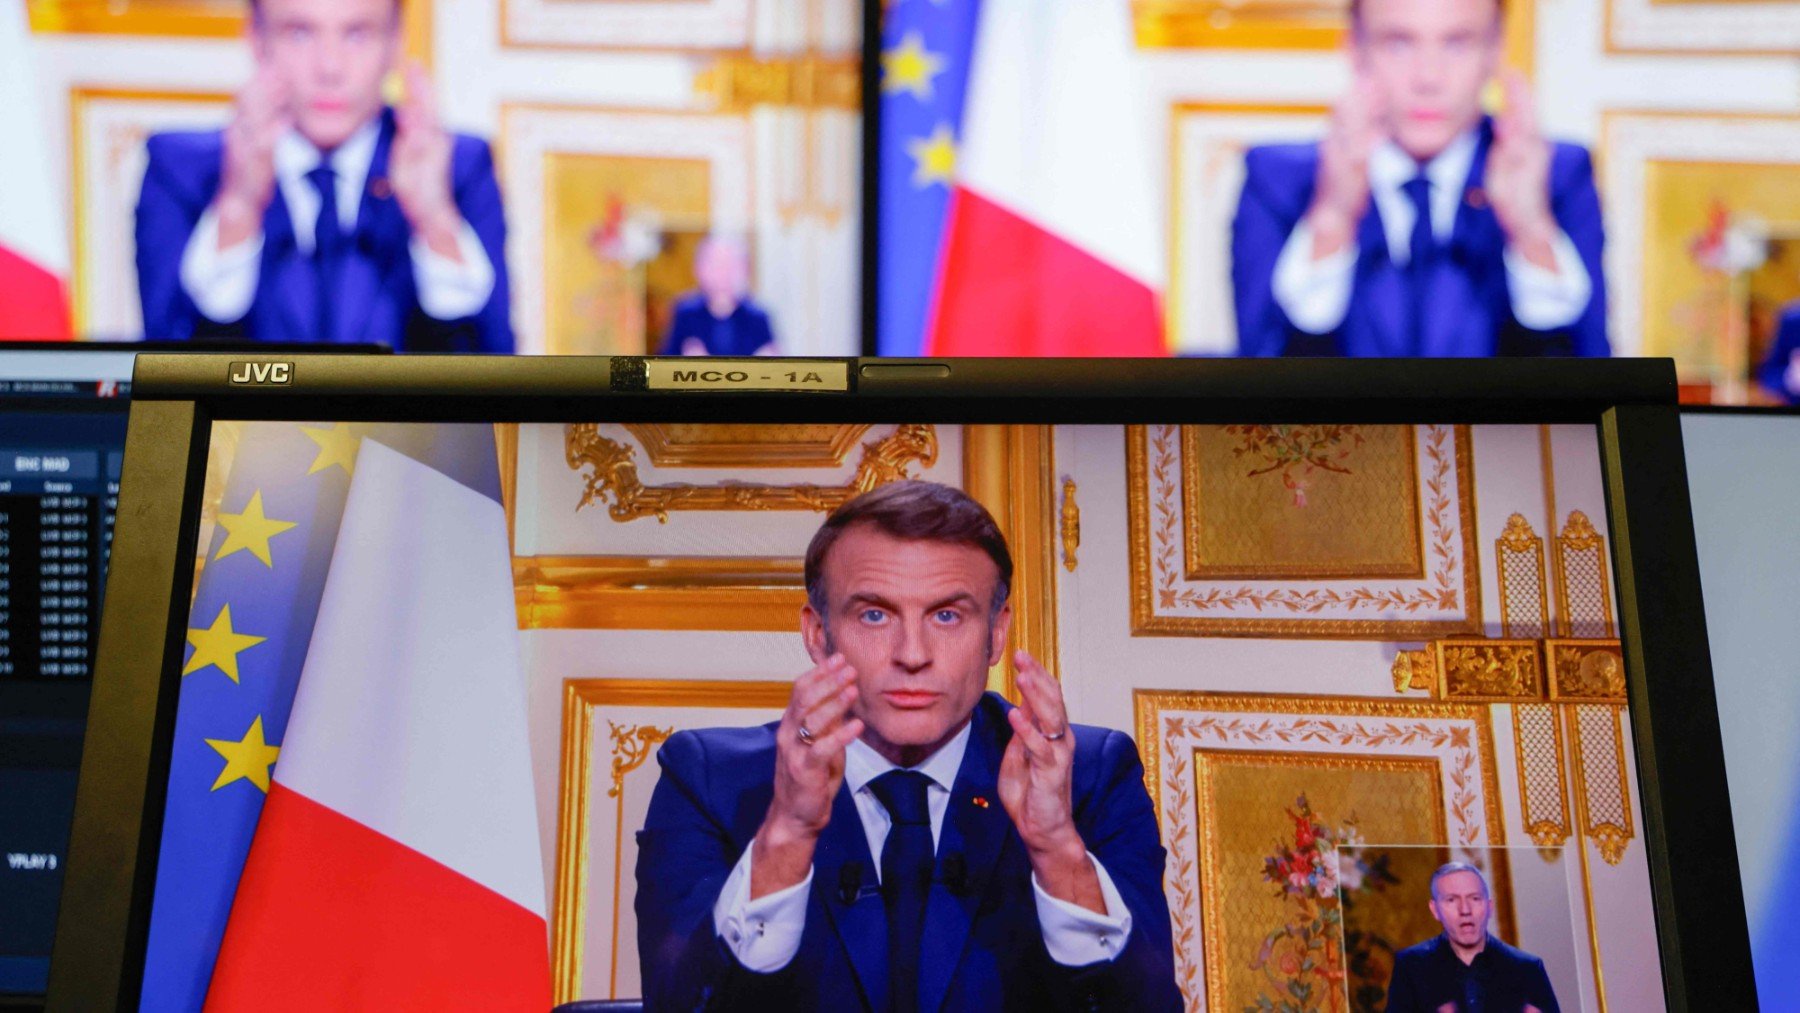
point(1275, 609)
point(659, 593)
point(745, 445)
point(632, 745)
point(1603, 800)
point(1071, 525)
point(1519, 557)
point(612, 475)
point(1586, 671)
point(1009, 470)
point(1543, 783)
point(739, 83)
point(1489, 671)
point(1415, 670)
point(1584, 594)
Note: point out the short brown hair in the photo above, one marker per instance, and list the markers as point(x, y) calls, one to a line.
point(1356, 7)
point(916, 511)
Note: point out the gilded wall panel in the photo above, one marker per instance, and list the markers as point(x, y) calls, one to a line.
point(1174, 475)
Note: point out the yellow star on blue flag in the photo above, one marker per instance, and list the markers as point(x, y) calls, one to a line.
point(247, 759)
point(934, 157)
point(251, 530)
point(337, 447)
point(910, 67)
point(218, 645)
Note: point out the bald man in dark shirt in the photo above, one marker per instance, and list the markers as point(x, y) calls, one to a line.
point(1465, 969)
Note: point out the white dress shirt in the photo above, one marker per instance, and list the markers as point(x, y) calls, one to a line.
point(764, 934)
point(1315, 295)
point(222, 283)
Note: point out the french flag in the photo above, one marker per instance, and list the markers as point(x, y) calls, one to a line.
point(34, 254)
point(1049, 242)
point(396, 864)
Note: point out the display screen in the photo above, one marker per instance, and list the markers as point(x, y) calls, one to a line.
point(1743, 471)
point(62, 434)
point(481, 678)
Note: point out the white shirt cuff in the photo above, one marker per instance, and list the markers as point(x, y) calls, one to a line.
point(1076, 936)
point(449, 290)
point(222, 283)
point(1549, 300)
point(1315, 294)
point(764, 934)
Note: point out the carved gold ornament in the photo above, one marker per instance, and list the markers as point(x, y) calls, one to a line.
point(611, 477)
point(1071, 524)
point(1524, 606)
point(1586, 671)
point(1492, 671)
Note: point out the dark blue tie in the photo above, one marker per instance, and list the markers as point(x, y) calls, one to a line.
point(1420, 262)
point(328, 246)
point(905, 879)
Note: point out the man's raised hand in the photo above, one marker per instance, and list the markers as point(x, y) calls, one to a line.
point(1341, 188)
point(815, 730)
point(247, 177)
point(419, 168)
point(1036, 788)
point(1518, 176)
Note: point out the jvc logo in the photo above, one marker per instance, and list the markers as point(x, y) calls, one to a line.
point(262, 373)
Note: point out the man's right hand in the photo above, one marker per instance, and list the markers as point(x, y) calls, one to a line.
point(247, 182)
point(1341, 192)
point(807, 775)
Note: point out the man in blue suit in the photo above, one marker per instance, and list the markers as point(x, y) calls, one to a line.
point(320, 214)
point(1780, 370)
point(1420, 226)
point(900, 840)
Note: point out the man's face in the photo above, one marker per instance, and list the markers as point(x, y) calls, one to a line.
point(912, 617)
point(333, 55)
point(1460, 904)
point(722, 270)
point(1428, 61)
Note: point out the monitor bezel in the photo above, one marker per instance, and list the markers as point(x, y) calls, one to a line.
point(1697, 896)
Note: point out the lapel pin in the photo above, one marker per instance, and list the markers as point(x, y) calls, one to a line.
point(979, 801)
point(1477, 198)
point(379, 188)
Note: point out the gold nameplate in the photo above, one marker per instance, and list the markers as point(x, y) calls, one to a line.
point(747, 374)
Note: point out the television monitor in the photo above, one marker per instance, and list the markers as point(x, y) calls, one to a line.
point(1744, 466)
point(430, 721)
point(62, 437)
point(63, 410)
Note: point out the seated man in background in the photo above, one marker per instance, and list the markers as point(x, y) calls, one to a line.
point(1465, 969)
point(901, 840)
point(318, 213)
point(721, 318)
point(1779, 374)
point(1421, 226)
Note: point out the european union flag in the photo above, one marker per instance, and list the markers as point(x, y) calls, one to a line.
point(925, 51)
point(248, 632)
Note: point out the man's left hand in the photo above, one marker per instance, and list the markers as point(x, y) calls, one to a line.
point(419, 169)
point(1035, 786)
point(1518, 177)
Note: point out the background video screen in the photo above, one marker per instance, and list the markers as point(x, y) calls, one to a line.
point(468, 642)
point(1743, 472)
point(62, 434)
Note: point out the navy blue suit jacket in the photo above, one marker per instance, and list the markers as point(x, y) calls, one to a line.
point(745, 331)
point(983, 948)
point(1426, 976)
point(1773, 372)
point(377, 299)
point(1470, 312)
